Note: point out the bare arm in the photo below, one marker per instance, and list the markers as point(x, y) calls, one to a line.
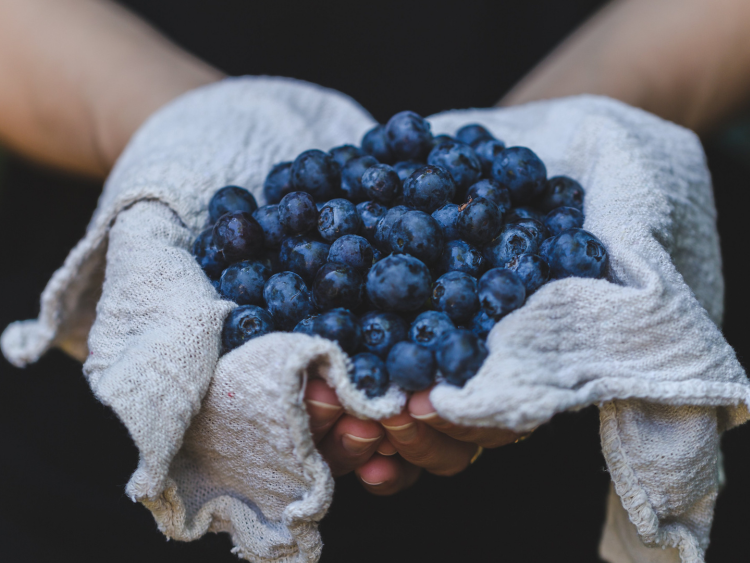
point(685, 60)
point(77, 78)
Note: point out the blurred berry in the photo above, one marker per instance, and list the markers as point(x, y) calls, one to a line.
point(472, 133)
point(563, 218)
point(344, 153)
point(278, 183)
point(351, 177)
point(341, 326)
point(460, 161)
point(207, 254)
point(577, 253)
point(375, 143)
point(408, 136)
point(228, 199)
point(273, 231)
point(562, 191)
point(500, 292)
point(411, 367)
point(459, 355)
point(460, 256)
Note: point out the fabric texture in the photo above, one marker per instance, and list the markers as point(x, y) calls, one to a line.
point(224, 443)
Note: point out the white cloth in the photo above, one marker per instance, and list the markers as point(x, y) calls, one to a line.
point(223, 442)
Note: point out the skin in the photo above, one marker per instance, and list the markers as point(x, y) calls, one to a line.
point(77, 88)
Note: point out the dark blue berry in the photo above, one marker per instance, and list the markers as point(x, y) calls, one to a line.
point(429, 188)
point(305, 257)
point(500, 292)
point(419, 235)
point(535, 227)
point(337, 218)
point(455, 294)
point(342, 327)
point(369, 374)
point(481, 325)
point(375, 143)
point(472, 133)
point(298, 213)
point(245, 323)
point(353, 251)
point(487, 150)
point(316, 173)
point(381, 331)
point(446, 217)
point(492, 190)
point(512, 241)
point(337, 285)
point(229, 199)
point(381, 183)
point(479, 221)
point(385, 225)
point(522, 213)
point(398, 283)
point(288, 300)
point(238, 236)
point(563, 218)
point(243, 282)
point(406, 168)
point(216, 285)
point(460, 256)
point(562, 191)
point(344, 153)
point(460, 161)
point(545, 247)
point(577, 253)
point(278, 183)
point(460, 354)
point(305, 326)
point(207, 254)
point(531, 269)
point(351, 177)
point(522, 172)
point(440, 139)
point(273, 231)
point(409, 136)
point(411, 367)
point(428, 327)
point(370, 213)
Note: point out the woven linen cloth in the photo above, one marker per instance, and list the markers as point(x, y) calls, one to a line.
point(224, 443)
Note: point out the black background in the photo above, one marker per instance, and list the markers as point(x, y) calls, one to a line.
point(65, 458)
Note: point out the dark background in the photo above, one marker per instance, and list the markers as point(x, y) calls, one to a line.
point(65, 458)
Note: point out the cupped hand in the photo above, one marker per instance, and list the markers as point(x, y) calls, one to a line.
point(421, 438)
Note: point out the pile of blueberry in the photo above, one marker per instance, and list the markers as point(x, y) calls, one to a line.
point(406, 250)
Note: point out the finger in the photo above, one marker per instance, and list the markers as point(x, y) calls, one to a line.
point(383, 475)
point(323, 407)
point(386, 448)
point(421, 409)
point(425, 447)
point(350, 443)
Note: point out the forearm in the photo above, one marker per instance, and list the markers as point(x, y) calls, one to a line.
point(685, 60)
point(77, 78)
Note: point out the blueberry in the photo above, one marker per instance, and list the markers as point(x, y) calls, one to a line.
point(479, 221)
point(429, 188)
point(459, 356)
point(353, 251)
point(428, 327)
point(408, 136)
point(288, 299)
point(269, 220)
point(298, 213)
point(522, 213)
point(522, 172)
point(238, 236)
point(342, 327)
point(243, 282)
point(337, 218)
point(446, 217)
point(316, 173)
point(487, 150)
point(492, 190)
point(385, 225)
point(531, 269)
point(375, 143)
point(228, 199)
point(208, 255)
point(512, 241)
point(245, 323)
point(544, 248)
point(460, 256)
point(481, 325)
point(577, 253)
point(381, 183)
point(369, 374)
point(411, 366)
point(562, 191)
point(472, 133)
point(278, 183)
point(500, 292)
point(406, 168)
point(344, 153)
point(381, 331)
point(351, 177)
point(440, 139)
point(455, 294)
point(305, 257)
point(216, 285)
point(563, 218)
point(460, 161)
point(370, 213)
point(305, 326)
point(398, 283)
point(418, 235)
point(337, 285)
point(535, 227)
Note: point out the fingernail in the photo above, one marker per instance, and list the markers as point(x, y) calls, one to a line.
point(404, 433)
point(372, 484)
point(356, 445)
point(386, 448)
point(425, 417)
point(322, 413)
